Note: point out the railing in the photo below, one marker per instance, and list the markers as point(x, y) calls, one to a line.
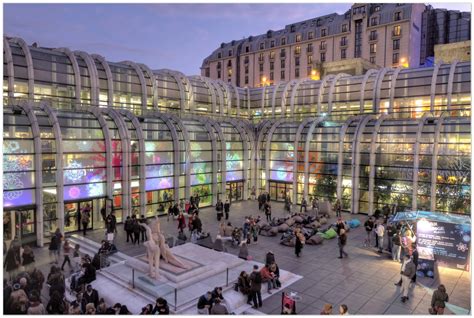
point(396, 33)
point(309, 49)
point(373, 37)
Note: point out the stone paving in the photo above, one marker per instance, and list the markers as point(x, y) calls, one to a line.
point(364, 281)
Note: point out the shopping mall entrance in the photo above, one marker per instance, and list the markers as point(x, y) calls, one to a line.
point(19, 225)
point(279, 190)
point(234, 191)
point(74, 210)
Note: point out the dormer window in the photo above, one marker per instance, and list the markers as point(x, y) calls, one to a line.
point(344, 28)
point(230, 52)
point(283, 41)
point(377, 9)
point(397, 16)
point(323, 32)
point(310, 35)
point(262, 46)
point(298, 38)
point(219, 55)
point(293, 28)
point(374, 21)
point(272, 43)
point(318, 22)
point(247, 49)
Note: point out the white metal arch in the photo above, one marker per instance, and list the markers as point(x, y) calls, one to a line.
point(309, 137)
point(378, 85)
point(77, 72)
point(284, 96)
point(262, 101)
point(226, 106)
point(321, 90)
point(93, 76)
point(331, 89)
point(237, 97)
point(29, 64)
point(10, 69)
point(264, 128)
point(452, 69)
point(303, 124)
point(267, 149)
point(293, 93)
point(150, 74)
point(245, 159)
point(275, 90)
point(434, 162)
point(221, 135)
point(393, 84)
point(110, 78)
point(434, 79)
point(362, 88)
point(142, 79)
point(210, 88)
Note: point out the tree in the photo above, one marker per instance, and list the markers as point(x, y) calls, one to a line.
point(326, 187)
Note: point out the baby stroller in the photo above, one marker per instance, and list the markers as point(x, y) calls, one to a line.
point(236, 236)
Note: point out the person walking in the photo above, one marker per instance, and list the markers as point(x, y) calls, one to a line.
point(406, 274)
point(181, 222)
point(227, 209)
point(67, 249)
point(268, 212)
point(111, 223)
point(54, 249)
point(128, 227)
point(304, 204)
point(85, 218)
point(28, 258)
point(315, 205)
point(396, 245)
point(380, 231)
point(369, 226)
point(390, 231)
point(338, 208)
point(438, 301)
point(414, 258)
point(256, 287)
point(12, 261)
point(219, 210)
point(342, 240)
point(300, 240)
point(254, 229)
point(142, 220)
point(253, 193)
point(136, 228)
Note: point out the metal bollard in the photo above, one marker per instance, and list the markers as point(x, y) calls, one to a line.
point(133, 278)
point(227, 277)
point(175, 300)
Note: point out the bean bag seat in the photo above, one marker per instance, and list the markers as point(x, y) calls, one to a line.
point(298, 219)
point(269, 232)
point(263, 225)
point(290, 242)
point(353, 223)
point(290, 221)
point(283, 227)
point(315, 225)
point(273, 231)
point(323, 220)
point(329, 234)
point(315, 240)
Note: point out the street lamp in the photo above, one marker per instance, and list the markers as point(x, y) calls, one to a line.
point(264, 80)
point(315, 75)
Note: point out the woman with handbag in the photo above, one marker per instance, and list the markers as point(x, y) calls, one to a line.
point(438, 301)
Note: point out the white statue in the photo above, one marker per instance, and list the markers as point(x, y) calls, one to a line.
point(156, 247)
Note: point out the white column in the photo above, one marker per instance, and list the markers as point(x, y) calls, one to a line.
point(150, 74)
point(293, 94)
point(309, 138)
point(275, 90)
point(433, 85)
point(261, 134)
point(303, 124)
point(393, 84)
point(434, 162)
point(110, 79)
point(342, 133)
point(452, 69)
point(10, 69)
point(378, 85)
point(142, 79)
point(29, 64)
point(77, 73)
point(93, 76)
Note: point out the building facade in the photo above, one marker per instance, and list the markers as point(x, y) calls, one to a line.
point(79, 130)
point(382, 35)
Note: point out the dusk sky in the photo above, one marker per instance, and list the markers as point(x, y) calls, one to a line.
point(173, 36)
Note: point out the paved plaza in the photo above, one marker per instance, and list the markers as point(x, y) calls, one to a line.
point(364, 281)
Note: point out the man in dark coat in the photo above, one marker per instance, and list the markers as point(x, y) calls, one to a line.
point(91, 296)
point(226, 209)
point(256, 287)
point(111, 223)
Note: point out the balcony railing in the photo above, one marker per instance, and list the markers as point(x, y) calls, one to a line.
point(261, 58)
point(397, 33)
point(283, 55)
point(343, 43)
point(322, 47)
point(309, 49)
point(373, 37)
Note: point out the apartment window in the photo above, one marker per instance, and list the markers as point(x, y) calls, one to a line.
point(218, 65)
point(229, 63)
point(377, 8)
point(395, 58)
point(343, 41)
point(310, 35)
point(344, 28)
point(272, 66)
point(282, 53)
point(310, 59)
point(272, 43)
point(297, 72)
point(298, 38)
point(359, 10)
point(323, 32)
point(246, 69)
point(372, 59)
point(271, 76)
point(298, 49)
point(309, 70)
point(219, 55)
point(218, 74)
point(272, 55)
point(343, 53)
point(297, 61)
point(282, 75)
point(282, 63)
point(373, 48)
point(396, 44)
point(318, 22)
point(374, 21)
point(283, 41)
point(373, 35)
point(397, 16)
point(208, 72)
point(261, 67)
point(397, 30)
point(309, 49)
point(322, 46)
point(323, 57)
point(247, 49)
point(262, 46)
point(246, 60)
point(293, 28)
point(260, 57)
point(246, 79)
point(230, 52)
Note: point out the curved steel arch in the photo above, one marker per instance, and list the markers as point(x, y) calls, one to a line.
point(267, 149)
point(434, 79)
point(237, 96)
point(321, 90)
point(229, 97)
point(416, 163)
point(434, 160)
point(393, 84)
point(331, 90)
point(221, 135)
point(362, 88)
point(29, 65)
point(258, 160)
point(262, 102)
point(293, 93)
point(77, 72)
point(93, 76)
point(27, 107)
point(276, 87)
point(355, 193)
point(376, 97)
point(110, 78)
point(245, 160)
point(284, 96)
point(142, 153)
point(142, 79)
point(153, 82)
point(303, 124)
point(306, 154)
point(372, 158)
point(10, 69)
point(210, 88)
point(452, 70)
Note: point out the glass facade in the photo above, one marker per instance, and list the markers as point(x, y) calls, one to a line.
point(79, 131)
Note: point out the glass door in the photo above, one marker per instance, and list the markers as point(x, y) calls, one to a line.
point(234, 191)
point(73, 215)
point(280, 190)
point(19, 225)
